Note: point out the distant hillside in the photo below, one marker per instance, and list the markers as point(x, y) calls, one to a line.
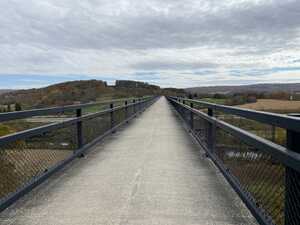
point(135, 84)
point(80, 92)
point(261, 88)
point(58, 94)
point(2, 91)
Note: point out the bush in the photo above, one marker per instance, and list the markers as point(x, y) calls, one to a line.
point(251, 99)
point(219, 96)
point(8, 108)
point(240, 99)
point(18, 107)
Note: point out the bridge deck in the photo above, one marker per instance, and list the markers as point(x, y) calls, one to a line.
point(150, 172)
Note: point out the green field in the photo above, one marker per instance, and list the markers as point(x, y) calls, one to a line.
point(221, 101)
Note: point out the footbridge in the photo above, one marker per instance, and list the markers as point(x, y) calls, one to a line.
point(150, 161)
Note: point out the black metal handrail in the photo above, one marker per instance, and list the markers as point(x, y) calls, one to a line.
point(60, 109)
point(68, 122)
point(279, 152)
point(278, 120)
point(29, 157)
point(266, 175)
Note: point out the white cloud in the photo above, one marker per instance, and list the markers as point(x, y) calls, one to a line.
point(123, 38)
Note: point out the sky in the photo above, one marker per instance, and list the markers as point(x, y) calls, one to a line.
point(172, 43)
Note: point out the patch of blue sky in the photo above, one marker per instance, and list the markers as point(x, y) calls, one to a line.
point(261, 72)
point(20, 81)
point(200, 72)
point(146, 76)
point(24, 81)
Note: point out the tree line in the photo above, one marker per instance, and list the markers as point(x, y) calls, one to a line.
point(246, 97)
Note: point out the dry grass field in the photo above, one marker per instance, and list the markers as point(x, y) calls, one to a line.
point(272, 105)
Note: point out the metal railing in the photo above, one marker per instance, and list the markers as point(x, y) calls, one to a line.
point(30, 156)
point(265, 174)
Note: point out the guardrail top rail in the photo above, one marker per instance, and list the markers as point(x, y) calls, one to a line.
point(60, 109)
point(266, 175)
point(284, 121)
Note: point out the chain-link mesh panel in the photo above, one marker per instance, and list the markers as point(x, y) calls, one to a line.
point(95, 127)
point(258, 174)
point(119, 116)
point(269, 132)
point(130, 111)
point(201, 128)
point(185, 114)
point(95, 108)
point(17, 125)
point(103, 106)
point(199, 125)
point(127, 112)
point(23, 160)
point(292, 207)
point(199, 106)
point(270, 185)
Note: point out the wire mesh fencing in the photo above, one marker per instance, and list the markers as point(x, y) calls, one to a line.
point(28, 155)
point(28, 158)
point(256, 158)
point(266, 131)
point(259, 175)
point(95, 127)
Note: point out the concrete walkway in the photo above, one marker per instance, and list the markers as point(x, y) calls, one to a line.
point(151, 172)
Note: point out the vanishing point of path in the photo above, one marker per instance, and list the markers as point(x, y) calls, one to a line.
point(151, 172)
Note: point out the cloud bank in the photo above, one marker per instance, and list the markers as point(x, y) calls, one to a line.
point(171, 43)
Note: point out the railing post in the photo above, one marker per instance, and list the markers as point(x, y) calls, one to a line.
point(273, 133)
point(126, 109)
point(111, 116)
point(192, 117)
point(138, 105)
point(211, 132)
point(133, 101)
point(210, 112)
point(143, 104)
point(292, 183)
point(79, 129)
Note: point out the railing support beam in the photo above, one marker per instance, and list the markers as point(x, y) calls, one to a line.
point(211, 132)
point(79, 129)
point(134, 106)
point(126, 109)
point(292, 182)
point(112, 122)
point(192, 117)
